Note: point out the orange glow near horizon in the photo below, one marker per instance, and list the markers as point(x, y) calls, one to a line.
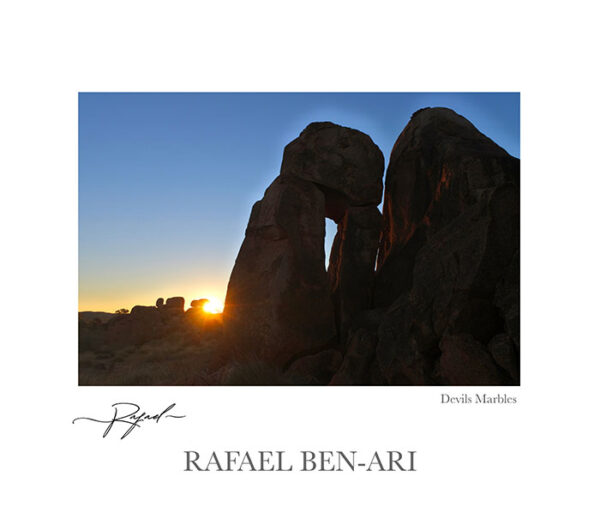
point(213, 306)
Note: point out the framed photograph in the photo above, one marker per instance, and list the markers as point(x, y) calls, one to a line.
point(299, 257)
point(384, 249)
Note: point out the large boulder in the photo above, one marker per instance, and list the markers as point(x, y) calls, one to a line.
point(446, 286)
point(457, 272)
point(143, 324)
point(439, 167)
point(144, 313)
point(507, 299)
point(198, 303)
point(448, 261)
point(279, 299)
point(454, 280)
point(352, 264)
point(278, 305)
point(337, 158)
point(315, 369)
point(175, 304)
point(505, 354)
point(358, 359)
point(465, 361)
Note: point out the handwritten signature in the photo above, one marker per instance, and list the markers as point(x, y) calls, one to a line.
point(130, 415)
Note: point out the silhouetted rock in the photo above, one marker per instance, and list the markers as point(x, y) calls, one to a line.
point(172, 312)
point(92, 316)
point(465, 361)
point(456, 274)
point(506, 298)
point(175, 304)
point(405, 357)
point(278, 302)
point(439, 167)
point(208, 324)
point(505, 354)
point(278, 305)
point(194, 314)
point(316, 369)
point(442, 309)
point(144, 323)
point(448, 261)
point(340, 159)
point(144, 312)
point(358, 359)
point(352, 262)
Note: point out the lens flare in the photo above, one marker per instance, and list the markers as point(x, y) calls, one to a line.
point(213, 306)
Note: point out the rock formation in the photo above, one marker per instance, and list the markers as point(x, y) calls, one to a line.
point(448, 261)
point(175, 303)
point(144, 323)
point(357, 363)
point(198, 303)
point(316, 369)
point(440, 166)
point(147, 323)
point(340, 160)
point(279, 303)
point(351, 263)
point(442, 307)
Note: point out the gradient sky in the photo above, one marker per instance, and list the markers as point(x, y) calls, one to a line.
point(167, 180)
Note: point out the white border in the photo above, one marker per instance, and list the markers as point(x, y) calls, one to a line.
point(538, 454)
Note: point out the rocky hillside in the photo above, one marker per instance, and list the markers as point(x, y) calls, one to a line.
point(152, 345)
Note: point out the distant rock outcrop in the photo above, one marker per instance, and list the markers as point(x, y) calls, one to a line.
point(175, 304)
point(147, 323)
point(144, 323)
point(202, 320)
point(144, 312)
point(95, 316)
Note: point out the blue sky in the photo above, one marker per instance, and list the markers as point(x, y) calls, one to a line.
point(167, 180)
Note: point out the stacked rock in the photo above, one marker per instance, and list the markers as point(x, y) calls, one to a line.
point(281, 303)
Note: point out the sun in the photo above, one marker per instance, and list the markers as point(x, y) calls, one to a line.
point(213, 306)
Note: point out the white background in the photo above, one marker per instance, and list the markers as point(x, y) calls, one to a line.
point(538, 455)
